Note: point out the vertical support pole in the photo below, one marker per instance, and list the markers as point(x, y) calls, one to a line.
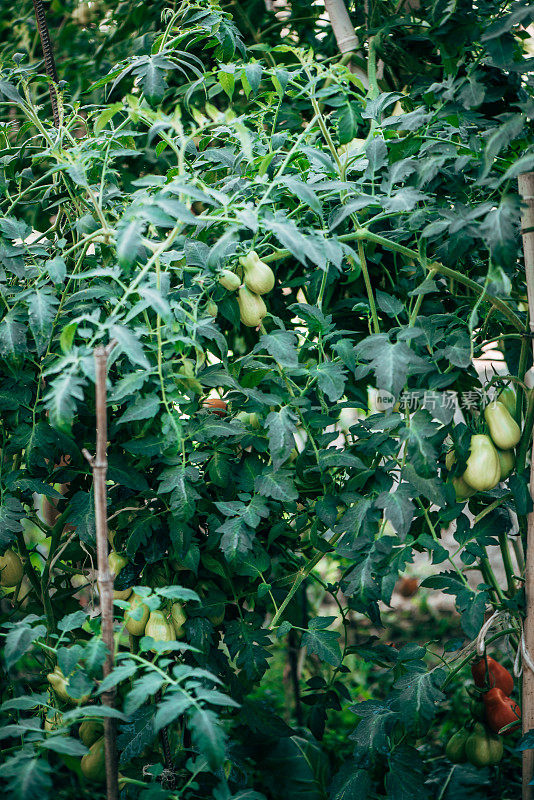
point(526, 190)
point(345, 35)
point(99, 465)
point(48, 53)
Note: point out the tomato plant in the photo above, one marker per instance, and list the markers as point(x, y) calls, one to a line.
point(301, 262)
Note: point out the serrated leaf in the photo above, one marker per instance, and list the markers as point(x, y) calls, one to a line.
point(64, 744)
point(281, 427)
point(279, 485)
point(62, 400)
point(398, 509)
point(12, 336)
point(322, 642)
point(129, 345)
point(208, 736)
point(143, 408)
point(19, 640)
point(26, 777)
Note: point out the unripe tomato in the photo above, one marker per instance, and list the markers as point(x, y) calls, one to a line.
point(136, 617)
point(483, 471)
point(11, 569)
point(216, 405)
point(59, 684)
point(229, 280)
point(501, 711)
point(508, 398)
point(488, 673)
point(178, 618)
point(90, 731)
point(122, 594)
point(159, 627)
point(496, 747)
point(455, 750)
point(252, 308)
point(506, 461)
point(212, 308)
point(462, 489)
point(116, 562)
point(93, 763)
point(478, 749)
point(259, 277)
point(503, 428)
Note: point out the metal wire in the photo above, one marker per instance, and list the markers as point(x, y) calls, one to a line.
point(48, 53)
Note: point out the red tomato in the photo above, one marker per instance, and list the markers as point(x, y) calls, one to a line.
point(487, 672)
point(501, 711)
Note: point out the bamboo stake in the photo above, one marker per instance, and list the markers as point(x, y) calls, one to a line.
point(526, 190)
point(99, 465)
point(345, 35)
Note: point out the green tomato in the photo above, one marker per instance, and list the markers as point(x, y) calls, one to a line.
point(136, 617)
point(116, 562)
point(93, 763)
point(508, 398)
point(90, 731)
point(507, 462)
point(178, 618)
point(503, 428)
point(478, 748)
point(462, 489)
point(11, 569)
point(483, 471)
point(496, 747)
point(229, 280)
point(455, 749)
point(159, 628)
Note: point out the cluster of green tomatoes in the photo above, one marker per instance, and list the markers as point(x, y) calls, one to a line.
point(491, 455)
point(256, 279)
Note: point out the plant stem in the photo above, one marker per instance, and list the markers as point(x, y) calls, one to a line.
point(507, 561)
point(301, 575)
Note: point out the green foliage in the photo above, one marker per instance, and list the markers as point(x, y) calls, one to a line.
point(188, 139)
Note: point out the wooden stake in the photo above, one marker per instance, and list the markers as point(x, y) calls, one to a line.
point(99, 465)
point(526, 190)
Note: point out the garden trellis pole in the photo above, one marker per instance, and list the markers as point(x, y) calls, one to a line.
point(99, 465)
point(345, 35)
point(526, 190)
point(48, 53)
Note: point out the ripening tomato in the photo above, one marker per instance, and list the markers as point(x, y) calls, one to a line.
point(487, 672)
point(216, 405)
point(501, 711)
